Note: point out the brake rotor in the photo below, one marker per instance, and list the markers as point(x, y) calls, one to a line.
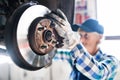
point(29, 37)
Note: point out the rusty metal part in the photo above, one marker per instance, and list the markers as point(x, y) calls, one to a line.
point(41, 37)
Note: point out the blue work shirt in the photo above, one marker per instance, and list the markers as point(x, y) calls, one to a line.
point(98, 67)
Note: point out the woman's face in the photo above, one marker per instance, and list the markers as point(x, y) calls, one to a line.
point(90, 39)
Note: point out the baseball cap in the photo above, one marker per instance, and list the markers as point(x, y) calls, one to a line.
point(90, 25)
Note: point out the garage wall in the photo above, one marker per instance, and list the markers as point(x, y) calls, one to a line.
point(84, 9)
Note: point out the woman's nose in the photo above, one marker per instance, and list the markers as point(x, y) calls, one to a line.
point(82, 40)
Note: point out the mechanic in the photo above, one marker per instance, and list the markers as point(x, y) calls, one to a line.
point(83, 52)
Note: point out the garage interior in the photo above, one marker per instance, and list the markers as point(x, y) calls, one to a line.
point(77, 11)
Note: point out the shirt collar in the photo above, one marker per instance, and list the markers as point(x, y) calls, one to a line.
point(98, 55)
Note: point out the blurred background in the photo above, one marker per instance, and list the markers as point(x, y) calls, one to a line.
point(77, 11)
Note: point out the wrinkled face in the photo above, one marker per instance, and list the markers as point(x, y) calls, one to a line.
point(90, 40)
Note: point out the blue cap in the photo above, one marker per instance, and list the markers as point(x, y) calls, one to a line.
point(90, 25)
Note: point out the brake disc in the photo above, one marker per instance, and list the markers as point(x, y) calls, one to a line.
point(29, 37)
